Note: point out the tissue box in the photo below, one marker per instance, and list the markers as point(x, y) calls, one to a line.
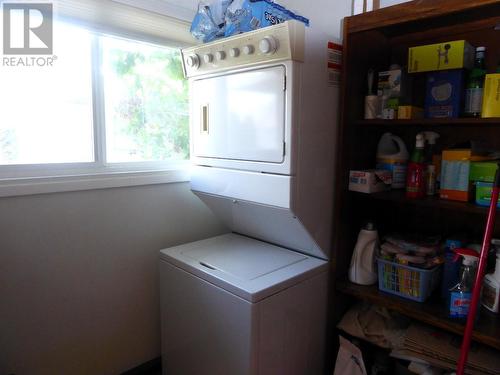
point(455, 169)
point(457, 54)
point(491, 96)
point(370, 180)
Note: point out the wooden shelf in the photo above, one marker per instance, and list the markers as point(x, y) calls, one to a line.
point(432, 312)
point(472, 122)
point(399, 196)
point(374, 40)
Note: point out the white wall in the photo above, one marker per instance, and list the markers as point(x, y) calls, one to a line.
point(79, 276)
point(78, 270)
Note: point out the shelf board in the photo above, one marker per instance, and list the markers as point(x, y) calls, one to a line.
point(473, 122)
point(399, 196)
point(432, 312)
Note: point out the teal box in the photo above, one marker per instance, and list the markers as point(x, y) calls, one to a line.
point(483, 194)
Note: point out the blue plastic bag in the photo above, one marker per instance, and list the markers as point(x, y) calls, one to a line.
point(209, 21)
point(248, 15)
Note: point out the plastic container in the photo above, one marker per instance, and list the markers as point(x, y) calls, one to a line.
point(460, 296)
point(405, 281)
point(451, 272)
point(415, 178)
point(490, 297)
point(362, 270)
point(392, 155)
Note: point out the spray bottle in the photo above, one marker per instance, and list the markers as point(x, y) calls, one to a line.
point(461, 294)
point(415, 183)
point(430, 151)
point(432, 159)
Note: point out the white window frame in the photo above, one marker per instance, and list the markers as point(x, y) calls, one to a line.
point(25, 179)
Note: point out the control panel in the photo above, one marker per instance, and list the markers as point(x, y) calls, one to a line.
point(280, 42)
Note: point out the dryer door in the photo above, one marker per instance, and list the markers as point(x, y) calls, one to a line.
point(240, 117)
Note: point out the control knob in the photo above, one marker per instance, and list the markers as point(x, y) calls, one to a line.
point(248, 49)
point(208, 58)
point(220, 55)
point(193, 61)
point(234, 52)
point(268, 45)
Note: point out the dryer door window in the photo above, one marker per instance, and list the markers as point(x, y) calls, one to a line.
point(240, 116)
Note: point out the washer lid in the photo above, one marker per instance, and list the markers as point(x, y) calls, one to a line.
point(244, 266)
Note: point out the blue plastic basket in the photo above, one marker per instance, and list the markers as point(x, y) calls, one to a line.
point(408, 282)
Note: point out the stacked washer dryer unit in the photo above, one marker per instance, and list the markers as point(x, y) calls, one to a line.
point(254, 301)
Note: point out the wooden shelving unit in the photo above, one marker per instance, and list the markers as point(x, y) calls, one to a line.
point(432, 312)
point(374, 41)
point(472, 122)
point(399, 197)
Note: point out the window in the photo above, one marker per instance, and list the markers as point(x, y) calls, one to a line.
point(146, 102)
point(108, 104)
point(46, 114)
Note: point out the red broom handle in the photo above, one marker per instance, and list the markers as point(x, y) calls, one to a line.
point(476, 292)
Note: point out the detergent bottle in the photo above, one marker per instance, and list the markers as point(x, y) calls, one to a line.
point(362, 270)
point(461, 294)
point(392, 155)
point(491, 288)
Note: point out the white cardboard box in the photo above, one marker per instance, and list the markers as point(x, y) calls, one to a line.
point(370, 180)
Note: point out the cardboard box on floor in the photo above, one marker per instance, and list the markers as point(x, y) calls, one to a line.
point(443, 349)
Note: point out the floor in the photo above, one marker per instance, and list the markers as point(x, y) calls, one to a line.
point(152, 367)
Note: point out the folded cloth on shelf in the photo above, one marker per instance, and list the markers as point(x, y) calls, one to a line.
point(375, 324)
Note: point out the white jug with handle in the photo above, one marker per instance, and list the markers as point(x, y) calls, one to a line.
point(363, 270)
point(392, 155)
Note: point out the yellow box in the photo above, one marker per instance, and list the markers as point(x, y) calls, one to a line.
point(491, 96)
point(441, 56)
point(409, 112)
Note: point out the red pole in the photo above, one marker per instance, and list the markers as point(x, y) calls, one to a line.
point(476, 292)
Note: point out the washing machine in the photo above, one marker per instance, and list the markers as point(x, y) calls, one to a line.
point(254, 301)
point(235, 305)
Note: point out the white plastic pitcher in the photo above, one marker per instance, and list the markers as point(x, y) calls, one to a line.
point(393, 156)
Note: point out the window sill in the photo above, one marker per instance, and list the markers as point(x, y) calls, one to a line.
point(43, 185)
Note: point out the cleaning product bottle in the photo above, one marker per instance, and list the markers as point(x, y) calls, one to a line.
point(362, 270)
point(415, 184)
point(432, 158)
point(392, 155)
point(475, 85)
point(432, 162)
point(491, 288)
point(431, 149)
point(461, 294)
point(451, 267)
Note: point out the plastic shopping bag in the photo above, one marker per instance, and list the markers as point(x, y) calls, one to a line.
point(209, 21)
point(349, 359)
